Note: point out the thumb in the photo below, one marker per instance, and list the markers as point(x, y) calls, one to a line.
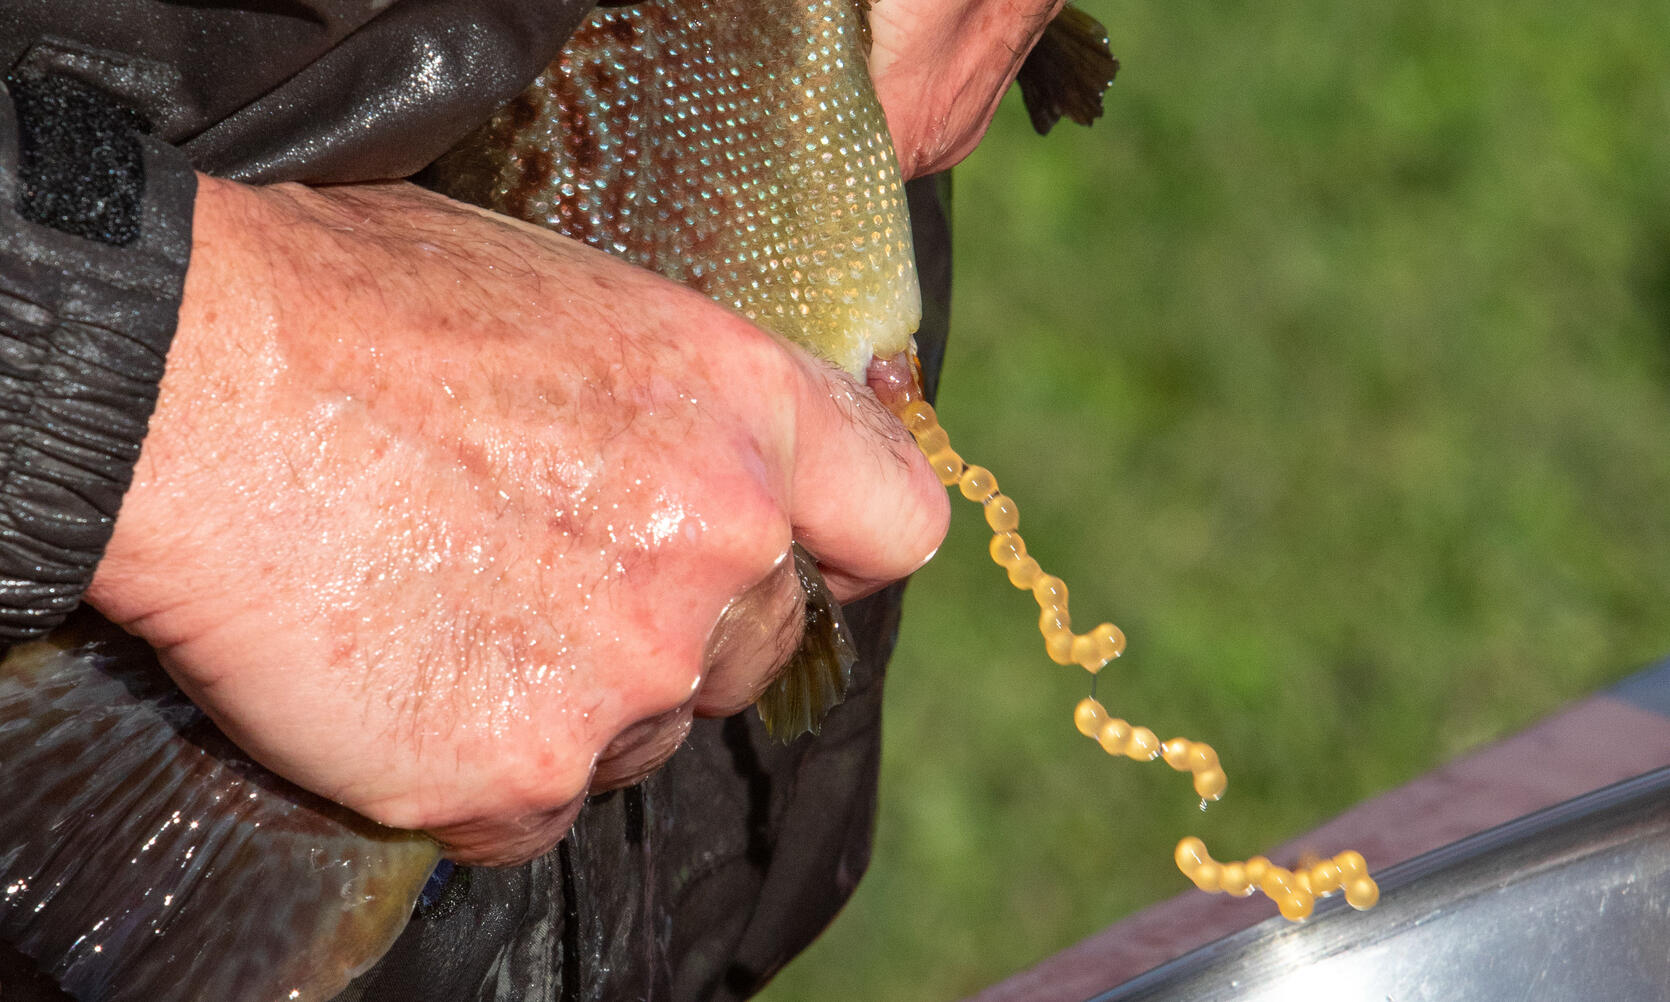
point(863, 499)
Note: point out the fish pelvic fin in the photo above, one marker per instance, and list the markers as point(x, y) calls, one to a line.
point(816, 678)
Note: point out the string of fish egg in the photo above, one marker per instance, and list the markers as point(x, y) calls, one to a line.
point(1294, 891)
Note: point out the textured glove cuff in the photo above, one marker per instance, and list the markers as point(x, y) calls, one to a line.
point(86, 317)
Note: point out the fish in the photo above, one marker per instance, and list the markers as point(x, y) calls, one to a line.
point(736, 147)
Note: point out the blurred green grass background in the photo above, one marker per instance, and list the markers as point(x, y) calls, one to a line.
point(1334, 365)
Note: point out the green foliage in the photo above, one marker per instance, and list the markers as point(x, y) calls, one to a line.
point(1334, 365)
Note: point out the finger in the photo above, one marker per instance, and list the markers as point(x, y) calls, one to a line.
point(501, 842)
point(863, 499)
point(754, 638)
point(642, 748)
point(941, 66)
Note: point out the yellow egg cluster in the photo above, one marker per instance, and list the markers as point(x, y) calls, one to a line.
point(1294, 891)
point(1090, 651)
point(1120, 737)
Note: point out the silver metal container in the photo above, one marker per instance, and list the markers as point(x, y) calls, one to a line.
point(1572, 902)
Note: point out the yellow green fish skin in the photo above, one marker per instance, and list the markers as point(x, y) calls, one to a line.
point(737, 150)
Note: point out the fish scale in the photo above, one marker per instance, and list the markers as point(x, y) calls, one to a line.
point(739, 152)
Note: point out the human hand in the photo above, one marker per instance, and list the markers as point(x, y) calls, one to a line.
point(941, 66)
point(437, 511)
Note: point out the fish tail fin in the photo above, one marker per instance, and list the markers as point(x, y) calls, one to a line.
point(816, 677)
point(142, 857)
point(1068, 71)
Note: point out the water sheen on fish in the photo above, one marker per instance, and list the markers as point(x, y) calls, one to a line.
point(144, 858)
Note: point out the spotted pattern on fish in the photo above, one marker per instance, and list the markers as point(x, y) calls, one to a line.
point(739, 151)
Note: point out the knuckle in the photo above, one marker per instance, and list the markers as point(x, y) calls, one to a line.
point(750, 535)
point(928, 522)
